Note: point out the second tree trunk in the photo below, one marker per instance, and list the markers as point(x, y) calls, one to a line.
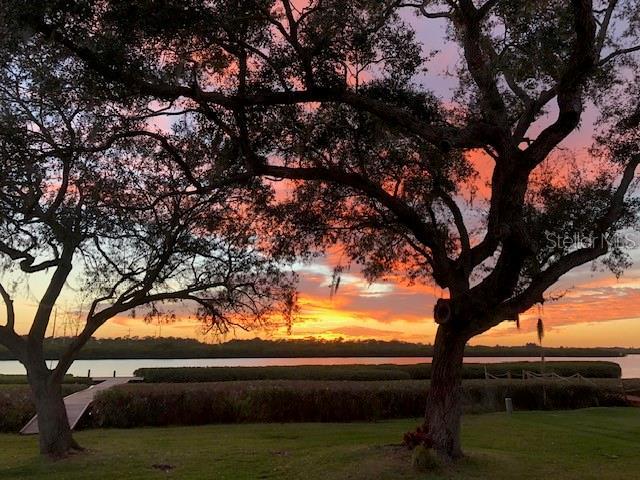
point(444, 402)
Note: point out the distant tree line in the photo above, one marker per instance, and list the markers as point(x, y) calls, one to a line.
point(170, 347)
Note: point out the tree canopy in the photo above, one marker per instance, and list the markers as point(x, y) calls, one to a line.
point(84, 208)
point(325, 95)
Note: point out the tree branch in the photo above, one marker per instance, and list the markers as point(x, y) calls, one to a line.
point(422, 7)
point(27, 260)
point(476, 134)
point(480, 65)
point(14, 343)
point(51, 295)
point(569, 89)
point(408, 217)
point(617, 53)
point(96, 319)
point(175, 154)
point(604, 27)
point(534, 292)
point(458, 218)
point(11, 313)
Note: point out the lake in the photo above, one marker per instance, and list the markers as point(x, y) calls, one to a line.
point(124, 368)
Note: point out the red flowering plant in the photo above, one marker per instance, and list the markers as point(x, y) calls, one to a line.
point(419, 436)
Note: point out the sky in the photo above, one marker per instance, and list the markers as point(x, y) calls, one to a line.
point(596, 309)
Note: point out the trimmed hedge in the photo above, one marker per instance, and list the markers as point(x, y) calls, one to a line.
point(22, 380)
point(419, 371)
point(137, 405)
point(17, 407)
point(306, 372)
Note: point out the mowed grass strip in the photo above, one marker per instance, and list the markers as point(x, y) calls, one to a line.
point(582, 444)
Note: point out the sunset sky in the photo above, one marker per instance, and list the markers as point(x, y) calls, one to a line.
point(596, 309)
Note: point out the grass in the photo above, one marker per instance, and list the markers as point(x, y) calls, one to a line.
point(581, 444)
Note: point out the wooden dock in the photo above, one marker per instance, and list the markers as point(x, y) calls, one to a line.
point(77, 403)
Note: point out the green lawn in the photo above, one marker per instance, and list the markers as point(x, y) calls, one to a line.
point(580, 444)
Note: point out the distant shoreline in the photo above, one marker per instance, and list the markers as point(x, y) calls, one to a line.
point(152, 348)
point(341, 357)
point(251, 357)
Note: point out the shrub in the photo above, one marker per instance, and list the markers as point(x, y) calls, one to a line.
point(22, 380)
point(137, 405)
point(417, 437)
point(17, 407)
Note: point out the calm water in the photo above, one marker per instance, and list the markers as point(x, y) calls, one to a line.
point(104, 368)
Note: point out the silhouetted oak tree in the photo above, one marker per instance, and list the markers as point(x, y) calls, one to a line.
point(105, 211)
point(324, 93)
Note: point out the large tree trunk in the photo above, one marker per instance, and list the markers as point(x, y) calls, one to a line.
point(444, 401)
point(53, 424)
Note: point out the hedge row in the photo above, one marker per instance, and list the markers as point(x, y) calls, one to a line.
point(367, 372)
point(23, 380)
point(306, 372)
point(137, 405)
point(17, 407)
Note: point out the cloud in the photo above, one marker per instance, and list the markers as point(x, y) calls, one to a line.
point(362, 332)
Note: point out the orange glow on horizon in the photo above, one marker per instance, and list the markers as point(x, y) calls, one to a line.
point(597, 311)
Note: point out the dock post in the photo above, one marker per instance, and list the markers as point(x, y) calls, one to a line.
point(508, 403)
point(89, 373)
point(114, 374)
